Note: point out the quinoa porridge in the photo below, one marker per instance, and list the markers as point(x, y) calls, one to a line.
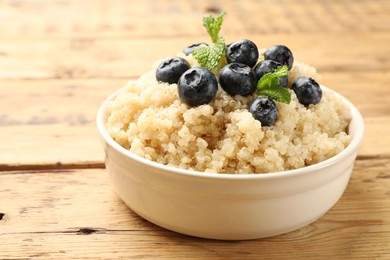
point(148, 118)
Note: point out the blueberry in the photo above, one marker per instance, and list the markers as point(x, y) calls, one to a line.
point(188, 50)
point(267, 66)
point(170, 70)
point(281, 54)
point(308, 91)
point(197, 86)
point(237, 79)
point(242, 51)
point(265, 110)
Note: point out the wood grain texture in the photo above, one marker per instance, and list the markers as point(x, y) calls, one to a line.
point(116, 18)
point(61, 118)
point(54, 126)
point(60, 59)
point(130, 57)
point(57, 218)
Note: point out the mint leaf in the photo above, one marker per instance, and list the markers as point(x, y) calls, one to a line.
point(210, 56)
point(272, 79)
point(213, 26)
point(279, 94)
point(268, 81)
point(269, 85)
point(280, 71)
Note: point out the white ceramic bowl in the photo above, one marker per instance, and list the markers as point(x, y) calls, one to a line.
point(224, 206)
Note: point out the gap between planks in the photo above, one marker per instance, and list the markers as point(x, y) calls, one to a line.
point(28, 168)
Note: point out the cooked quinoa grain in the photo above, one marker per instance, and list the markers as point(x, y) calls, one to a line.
point(149, 119)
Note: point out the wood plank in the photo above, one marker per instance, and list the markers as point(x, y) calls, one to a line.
point(60, 118)
point(53, 102)
point(77, 215)
point(50, 147)
point(375, 141)
point(57, 126)
point(366, 90)
point(131, 57)
point(117, 17)
point(61, 146)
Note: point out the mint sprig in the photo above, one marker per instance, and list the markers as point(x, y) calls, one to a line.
point(269, 85)
point(210, 56)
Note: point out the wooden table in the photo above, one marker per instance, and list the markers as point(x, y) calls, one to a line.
point(60, 59)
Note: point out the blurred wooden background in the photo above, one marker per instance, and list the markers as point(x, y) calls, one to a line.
point(59, 59)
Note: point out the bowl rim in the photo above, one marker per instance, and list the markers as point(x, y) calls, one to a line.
point(350, 149)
